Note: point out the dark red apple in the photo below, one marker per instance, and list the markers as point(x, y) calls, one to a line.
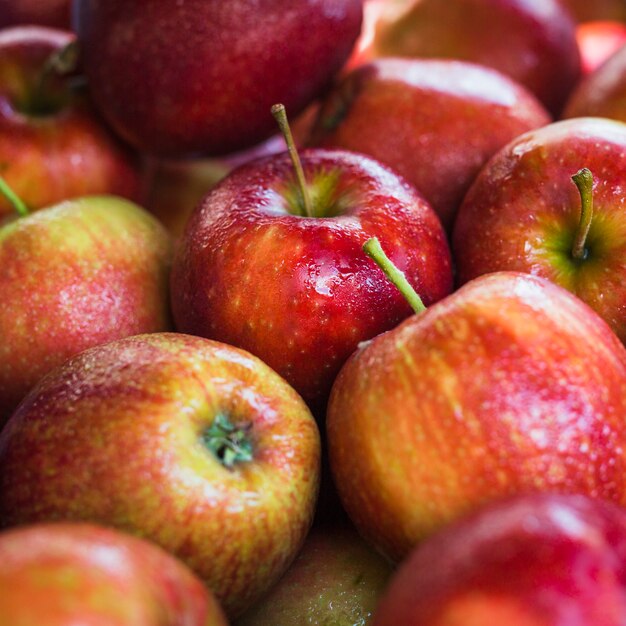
point(598, 41)
point(542, 560)
point(510, 385)
point(54, 13)
point(434, 122)
point(53, 147)
point(199, 76)
point(523, 213)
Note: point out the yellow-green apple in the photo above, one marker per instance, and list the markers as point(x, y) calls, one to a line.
point(65, 574)
point(337, 579)
point(195, 445)
point(525, 214)
point(53, 147)
point(532, 41)
point(199, 76)
point(598, 41)
point(603, 92)
point(254, 270)
point(510, 385)
point(435, 122)
point(76, 275)
point(538, 560)
point(54, 13)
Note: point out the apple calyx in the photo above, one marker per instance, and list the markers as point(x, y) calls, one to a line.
point(583, 180)
point(18, 204)
point(229, 443)
point(374, 250)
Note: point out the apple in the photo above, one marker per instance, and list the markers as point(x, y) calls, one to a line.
point(336, 579)
point(63, 574)
point(539, 560)
point(76, 275)
point(585, 11)
point(510, 385)
point(523, 214)
point(54, 13)
point(435, 122)
point(532, 41)
point(598, 41)
point(603, 92)
point(53, 147)
point(290, 284)
point(192, 444)
point(208, 90)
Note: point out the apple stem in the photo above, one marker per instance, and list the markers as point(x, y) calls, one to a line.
point(18, 204)
point(60, 62)
point(374, 250)
point(584, 182)
point(280, 115)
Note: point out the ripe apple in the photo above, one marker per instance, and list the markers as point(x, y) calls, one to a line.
point(336, 579)
point(532, 41)
point(63, 574)
point(435, 122)
point(539, 560)
point(510, 385)
point(223, 66)
point(52, 145)
point(54, 13)
point(195, 445)
point(598, 41)
point(76, 275)
point(523, 213)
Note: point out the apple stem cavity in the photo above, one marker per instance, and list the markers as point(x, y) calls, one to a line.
point(280, 115)
point(374, 250)
point(229, 443)
point(584, 182)
point(18, 204)
point(59, 63)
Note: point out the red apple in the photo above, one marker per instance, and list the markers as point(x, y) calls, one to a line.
point(598, 41)
point(55, 13)
point(252, 270)
point(510, 385)
point(532, 41)
point(542, 560)
point(434, 122)
point(199, 76)
point(73, 276)
point(52, 145)
point(523, 213)
point(64, 574)
point(195, 445)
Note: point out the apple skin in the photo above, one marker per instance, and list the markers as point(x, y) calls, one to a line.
point(435, 122)
point(585, 11)
point(116, 437)
point(532, 41)
point(210, 88)
point(62, 574)
point(65, 153)
point(523, 211)
point(336, 579)
point(299, 292)
point(539, 560)
point(510, 385)
point(598, 41)
point(76, 275)
point(53, 13)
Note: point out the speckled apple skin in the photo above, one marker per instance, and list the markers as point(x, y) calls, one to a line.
point(532, 41)
point(602, 93)
point(510, 385)
point(68, 154)
point(200, 76)
point(541, 560)
point(523, 211)
point(63, 574)
point(53, 13)
point(115, 437)
point(74, 276)
point(434, 122)
point(299, 292)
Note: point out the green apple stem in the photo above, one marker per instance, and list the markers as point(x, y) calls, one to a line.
point(20, 208)
point(280, 115)
point(229, 443)
point(374, 250)
point(59, 63)
point(584, 181)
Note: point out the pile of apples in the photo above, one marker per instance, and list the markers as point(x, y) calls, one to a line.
point(367, 370)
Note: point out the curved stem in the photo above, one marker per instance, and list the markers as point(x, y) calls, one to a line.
point(374, 250)
point(280, 115)
point(18, 204)
point(60, 62)
point(584, 181)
